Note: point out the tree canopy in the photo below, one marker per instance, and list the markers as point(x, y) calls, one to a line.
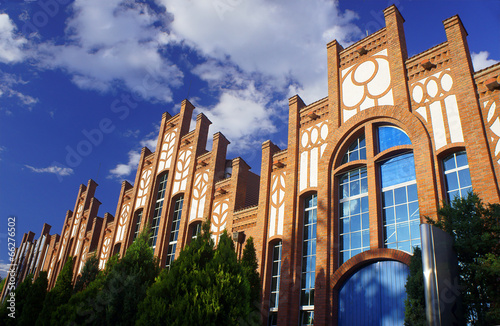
point(475, 229)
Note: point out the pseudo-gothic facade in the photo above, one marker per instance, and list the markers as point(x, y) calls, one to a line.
point(335, 215)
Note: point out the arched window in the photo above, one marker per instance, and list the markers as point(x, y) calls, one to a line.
point(401, 218)
point(138, 219)
point(308, 276)
point(174, 230)
point(155, 223)
point(274, 292)
point(390, 136)
point(354, 218)
point(457, 175)
point(354, 221)
point(195, 230)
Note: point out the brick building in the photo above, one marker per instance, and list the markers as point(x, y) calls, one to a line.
point(335, 215)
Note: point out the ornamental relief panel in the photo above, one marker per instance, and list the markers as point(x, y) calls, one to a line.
point(199, 195)
point(437, 105)
point(51, 268)
point(79, 212)
point(142, 192)
point(491, 109)
point(366, 84)
point(81, 235)
point(277, 207)
point(182, 170)
point(312, 146)
point(122, 223)
point(84, 258)
point(105, 251)
point(167, 151)
point(219, 218)
point(63, 244)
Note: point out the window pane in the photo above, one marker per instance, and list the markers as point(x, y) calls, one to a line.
point(389, 215)
point(461, 159)
point(449, 163)
point(387, 198)
point(415, 229)
point(403, 232)
point(397, 170)
point(452, 181)
point(412, 192)
point(356, 240)
point(464, 177)
point(355, 223)
point(389, 136)
point(400, 195)
point(401, 213)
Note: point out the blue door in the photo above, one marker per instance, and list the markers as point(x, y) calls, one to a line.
point(374, 295)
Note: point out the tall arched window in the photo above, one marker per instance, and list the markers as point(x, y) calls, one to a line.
point(401, 217)
point(354, 218)
point(354, 224)
point(138, 219)
point(457, 175)
point(174, 230)
point(308, 276)
point(155, 223)
point(274, 292)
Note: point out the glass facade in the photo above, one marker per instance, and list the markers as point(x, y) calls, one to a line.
point(155, 223)
point(174, 230)
point(401, 217)
point(275, 284)
point(354, 217)
point(457, 175)
point(308, 261)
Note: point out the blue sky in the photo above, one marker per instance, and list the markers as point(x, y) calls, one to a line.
point(83, 84)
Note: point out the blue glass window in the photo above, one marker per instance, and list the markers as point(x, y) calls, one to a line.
point(354, 217)
point(356, 151)
point(308, 261)
point(155, 223)
point(401, 217)
point(174, 231)
point(275, 284)
point(457, 175)
point(389, 136)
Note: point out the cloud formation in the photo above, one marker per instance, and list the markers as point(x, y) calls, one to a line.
point(480, 60)
point(11, 45)
point(54, 169)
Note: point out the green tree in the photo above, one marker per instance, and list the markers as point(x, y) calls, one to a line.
point(59, 295)
point(415, 295)
point(89, 273)
point(33, 304)
point(475, 229)
point(250, 266)
point(21, 294)
point(203, 287)
point(113, 297)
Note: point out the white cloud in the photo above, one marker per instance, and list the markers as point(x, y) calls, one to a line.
point(113, 43)
point(123, 170)
point(8, 83)
point(281, 39)
point(480, 60)
point(241, 115)
point(10, 44)
point(57, 170)
point(4, 268)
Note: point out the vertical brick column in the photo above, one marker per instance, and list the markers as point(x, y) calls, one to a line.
point(396, 48)
point(334, 105)
point(260, 241)
point(200, 143)
point(481, 167)
point(290, 277)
